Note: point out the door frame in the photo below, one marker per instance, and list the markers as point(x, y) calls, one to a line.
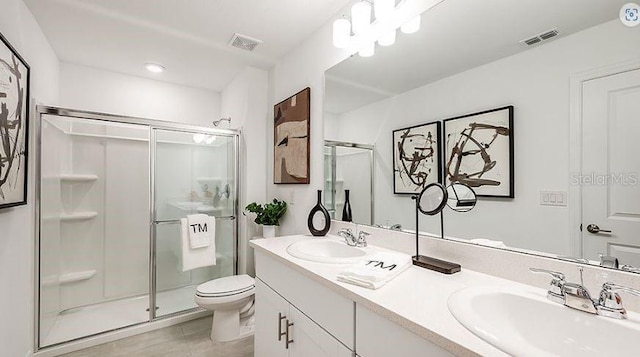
point(575, 140)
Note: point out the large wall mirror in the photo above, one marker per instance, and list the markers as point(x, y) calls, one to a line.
point(569, 69)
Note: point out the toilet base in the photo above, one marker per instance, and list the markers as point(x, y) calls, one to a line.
point(229, 327)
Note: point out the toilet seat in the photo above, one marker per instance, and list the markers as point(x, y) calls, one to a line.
point(227, 286)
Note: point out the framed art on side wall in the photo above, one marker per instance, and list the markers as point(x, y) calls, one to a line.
point(291, 139)
point(14, 126)
point(479, 152)
point(416, 158)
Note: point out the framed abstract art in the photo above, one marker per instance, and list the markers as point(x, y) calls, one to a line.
point(479, 152)
point(14, 126)
point(416, 158)
point(291, 139)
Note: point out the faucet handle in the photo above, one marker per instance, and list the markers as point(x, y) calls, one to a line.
point(610, 302)
point(556, 292)
point(362, 238)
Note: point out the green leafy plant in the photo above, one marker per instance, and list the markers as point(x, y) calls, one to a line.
point(268, 214)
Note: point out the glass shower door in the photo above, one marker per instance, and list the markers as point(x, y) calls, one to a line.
point(194, 173)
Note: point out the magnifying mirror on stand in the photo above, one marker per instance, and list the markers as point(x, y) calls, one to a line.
point(431, 201)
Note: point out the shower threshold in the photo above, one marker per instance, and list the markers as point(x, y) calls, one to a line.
point(89, 320)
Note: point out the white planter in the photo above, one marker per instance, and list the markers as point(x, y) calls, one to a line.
point(268, 231)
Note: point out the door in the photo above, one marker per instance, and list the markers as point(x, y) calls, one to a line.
point(271, 314)
point(194, 173)
point(610, 168)
point(309, 340)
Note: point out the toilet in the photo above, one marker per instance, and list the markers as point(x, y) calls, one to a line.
point(231, 299)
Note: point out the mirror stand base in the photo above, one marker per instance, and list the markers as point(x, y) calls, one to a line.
point(438, 265)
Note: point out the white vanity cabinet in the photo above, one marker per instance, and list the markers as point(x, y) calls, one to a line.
point(379, 337)
point(320, 322)
point(282, 330)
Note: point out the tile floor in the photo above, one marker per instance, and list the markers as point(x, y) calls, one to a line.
point(189, 339)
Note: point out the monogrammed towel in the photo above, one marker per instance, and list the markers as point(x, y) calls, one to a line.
point(376, 270)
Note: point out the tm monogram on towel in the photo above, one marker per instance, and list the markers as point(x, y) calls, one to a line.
point(380, 264)
point(201, 228)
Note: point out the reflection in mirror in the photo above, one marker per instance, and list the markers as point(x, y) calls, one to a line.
point(461, 198)
point(571, 76)
point(349, 167)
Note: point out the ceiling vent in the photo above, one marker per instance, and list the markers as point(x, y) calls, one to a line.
point(540, 37)
point(244, 42)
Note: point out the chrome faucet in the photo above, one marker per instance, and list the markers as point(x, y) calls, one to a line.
point(350, 238)
point(576, 296)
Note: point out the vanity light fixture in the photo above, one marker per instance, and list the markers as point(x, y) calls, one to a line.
point(341, 33)
point(361, 17)
point(154, 67)
point(385, 16)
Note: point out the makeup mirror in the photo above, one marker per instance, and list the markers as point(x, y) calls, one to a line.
point(461, 197)
point(432, 199)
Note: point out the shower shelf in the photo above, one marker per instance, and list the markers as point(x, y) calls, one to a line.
point(78, 216)
point(77, 276)
point(70, 178)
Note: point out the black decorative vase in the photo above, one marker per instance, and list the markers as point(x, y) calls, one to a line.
point(346, 210)
point(327, 219)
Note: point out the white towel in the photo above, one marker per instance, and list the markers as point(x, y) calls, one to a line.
point(489, 243)
point(202, 230)
point(376, 271)
point(199, 257)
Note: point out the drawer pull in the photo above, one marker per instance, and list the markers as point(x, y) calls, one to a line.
point(288, 341)
point(280, 333)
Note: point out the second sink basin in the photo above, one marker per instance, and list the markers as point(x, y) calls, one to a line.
point(524, 323)
point(325, 250)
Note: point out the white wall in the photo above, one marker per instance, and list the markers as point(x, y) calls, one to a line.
point(98, 90)
point(245, 100)
point(536, 82)
point(19, 27)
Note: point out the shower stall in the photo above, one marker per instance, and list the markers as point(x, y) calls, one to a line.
point(349, 166)
point(111, 191)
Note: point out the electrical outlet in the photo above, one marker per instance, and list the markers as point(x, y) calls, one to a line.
point(553, 198)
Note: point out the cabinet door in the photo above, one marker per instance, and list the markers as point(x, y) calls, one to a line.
point(269, 308)
point(310, 340)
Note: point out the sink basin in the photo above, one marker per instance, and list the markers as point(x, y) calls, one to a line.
point(325, 250)
point(525, 323)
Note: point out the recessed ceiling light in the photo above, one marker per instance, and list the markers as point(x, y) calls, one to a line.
point(154, 67)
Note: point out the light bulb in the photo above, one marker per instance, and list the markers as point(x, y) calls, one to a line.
point(388, 39)
point(360, 16)
point(383, 8)
point(368, 50)
point(411, 26)
point(341, 33)
point(210, 139)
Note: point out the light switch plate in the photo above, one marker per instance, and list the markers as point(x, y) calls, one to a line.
point(553, 198)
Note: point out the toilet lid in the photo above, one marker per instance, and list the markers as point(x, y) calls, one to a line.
point(229, 285)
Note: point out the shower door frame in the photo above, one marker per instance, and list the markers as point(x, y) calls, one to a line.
point(333, 144)
point(152, 125)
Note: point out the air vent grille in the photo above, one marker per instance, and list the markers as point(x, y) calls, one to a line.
point(540, 37)
point(244, 42)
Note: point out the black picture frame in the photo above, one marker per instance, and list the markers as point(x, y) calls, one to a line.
point(408, 177)
point(496, 153)
point(15, 74)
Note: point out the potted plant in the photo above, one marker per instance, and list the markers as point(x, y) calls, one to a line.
point(268, 215)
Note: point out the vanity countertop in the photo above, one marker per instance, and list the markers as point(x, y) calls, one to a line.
point(415, 300)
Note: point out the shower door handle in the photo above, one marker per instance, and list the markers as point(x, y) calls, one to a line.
point(280, 333)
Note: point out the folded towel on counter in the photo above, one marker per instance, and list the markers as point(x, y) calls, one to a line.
point(202, 230)
point(198, 257)
point(489, 243)
point(376, 271)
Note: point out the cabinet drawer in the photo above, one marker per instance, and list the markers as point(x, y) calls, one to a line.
point(335, 313)
point(374, 333)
